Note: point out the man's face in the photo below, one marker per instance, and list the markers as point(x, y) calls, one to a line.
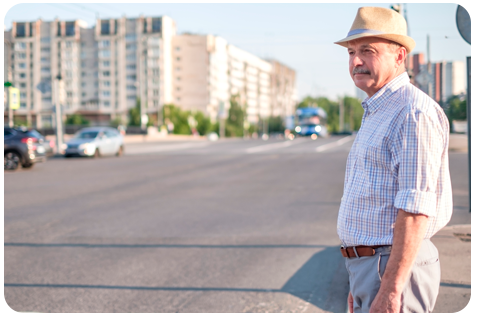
point(372, 63)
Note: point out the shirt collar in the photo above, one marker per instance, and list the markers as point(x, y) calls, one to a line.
point(374, 102)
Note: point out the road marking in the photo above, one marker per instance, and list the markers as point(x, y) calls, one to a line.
point(164, 148)
point(330, 145)
point(273, 146)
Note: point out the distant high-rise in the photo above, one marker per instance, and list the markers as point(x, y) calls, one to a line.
point(106, 68)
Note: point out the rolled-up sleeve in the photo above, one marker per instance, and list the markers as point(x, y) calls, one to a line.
point(420, 145)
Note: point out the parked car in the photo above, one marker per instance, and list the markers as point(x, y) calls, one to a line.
point(95, 142)
point(22, 147)
point(49, 145)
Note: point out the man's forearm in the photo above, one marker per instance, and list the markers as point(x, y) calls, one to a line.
point(407, 238)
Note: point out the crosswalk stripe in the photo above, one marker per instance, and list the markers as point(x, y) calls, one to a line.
point(273, 146)
point(330, 145)
point(164, 148)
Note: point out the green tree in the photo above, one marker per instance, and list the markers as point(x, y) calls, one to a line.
point(353, 112)
point(455, 108)
point(178, 117)
point(235, 120)
point(204, 125)
point(276, 124)
point(135, 114)
point(77, 119)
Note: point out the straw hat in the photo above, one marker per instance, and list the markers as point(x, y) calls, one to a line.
point(379, 22)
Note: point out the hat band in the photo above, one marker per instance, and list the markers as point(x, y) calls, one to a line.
point(358, 31)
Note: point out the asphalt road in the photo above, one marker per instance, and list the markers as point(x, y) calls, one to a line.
point(227, 226)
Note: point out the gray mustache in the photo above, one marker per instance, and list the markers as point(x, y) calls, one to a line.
point(360, 71)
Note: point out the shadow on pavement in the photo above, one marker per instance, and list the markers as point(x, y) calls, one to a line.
point(322, 281)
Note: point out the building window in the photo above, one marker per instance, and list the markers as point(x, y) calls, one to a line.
point(106, 83)
point(131, 67)
point(21, 55)
point(131, 97)
point(45, 69)
point(20, 30)
point(45, 49)
point(106, 93)
point(22, 75)
point(106, 73)
point(130, 46)
point(106, 103)
point(178, 48)
point(83, 74)
point(20, 46)
point(178, 58)
point(68, 44)
point(22, 65)
point(45, 59)
point(83, 84)
point(70, 28)
point(131, 77)
point(23, 95)
point(83, 94)
point(23, 105)
point(156, 25)
point(69, 94)
point(105, 27)
point(105, 43)
point(131, 57)
point(130, 37)
point(105, 53)
point(130, 87)
point(155, 92)
point(106, 63)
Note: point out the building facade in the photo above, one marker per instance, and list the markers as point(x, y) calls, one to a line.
point(106, 69)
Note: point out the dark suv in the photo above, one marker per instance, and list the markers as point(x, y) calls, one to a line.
point(22, 147)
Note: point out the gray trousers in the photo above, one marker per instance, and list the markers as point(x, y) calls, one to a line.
point(420, 292)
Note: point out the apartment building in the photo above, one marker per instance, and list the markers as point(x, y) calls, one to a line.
point(134, 61)
point(283, 91)
point(39, 52)
point(207, 71)
point(106, 68)
point(447, 78)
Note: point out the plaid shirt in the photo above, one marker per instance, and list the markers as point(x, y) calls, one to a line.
point(399, 160)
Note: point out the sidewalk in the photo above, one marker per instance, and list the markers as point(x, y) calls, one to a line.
point(454, 246)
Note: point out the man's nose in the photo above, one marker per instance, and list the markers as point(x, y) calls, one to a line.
point(356, 61)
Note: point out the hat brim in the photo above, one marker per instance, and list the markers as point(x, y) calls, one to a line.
point(406, 41)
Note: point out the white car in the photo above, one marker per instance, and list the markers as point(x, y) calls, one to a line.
point(95, 142)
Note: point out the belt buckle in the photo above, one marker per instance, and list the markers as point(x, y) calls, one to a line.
point(346, 252)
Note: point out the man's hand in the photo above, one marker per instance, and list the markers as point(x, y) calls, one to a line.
point(350, 300)
point(407, 238)
point(386, 303)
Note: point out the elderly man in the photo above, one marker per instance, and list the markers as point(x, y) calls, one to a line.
point(397, 191)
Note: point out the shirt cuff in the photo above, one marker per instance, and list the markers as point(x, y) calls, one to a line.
point(417, 202)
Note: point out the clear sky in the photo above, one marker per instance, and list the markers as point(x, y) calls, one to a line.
point(299, 35)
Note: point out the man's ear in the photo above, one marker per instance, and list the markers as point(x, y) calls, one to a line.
point(401, 56)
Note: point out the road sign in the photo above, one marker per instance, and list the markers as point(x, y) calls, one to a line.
point(423, 78)
point(463, 23)
point(14, 98)
point(44, 86)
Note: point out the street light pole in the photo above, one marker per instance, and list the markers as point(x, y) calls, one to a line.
point(59, 126)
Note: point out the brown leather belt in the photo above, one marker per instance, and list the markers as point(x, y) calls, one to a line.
point(359, 250)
